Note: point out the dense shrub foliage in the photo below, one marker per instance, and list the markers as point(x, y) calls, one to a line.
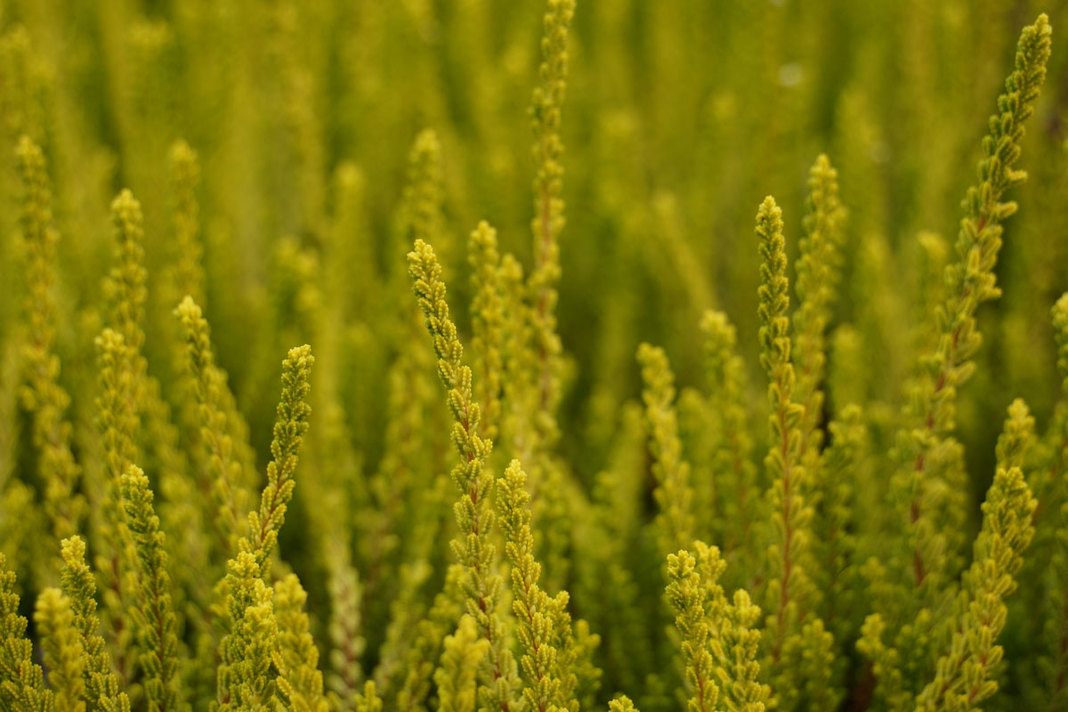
point(838, 481)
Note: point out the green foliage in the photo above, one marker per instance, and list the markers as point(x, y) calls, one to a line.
point(963, 678)
point(221, 467)
point(62, 649)
point(928, 479)
point(474, 518)
point(102, 685)
point(487, 321)
point(697, 601)
point(245, 679)
point(970, 281)
point(290, 425)
point(548, 221)
point(156, 626)
point(346, 644)
point(299, 679)
point(22, 685)
point(460, 662)
point(733, 447)
point(674, 493)
point(799, 646)
point(542, 620)
point(188, 268)
point(849, 493)
point(719, 643)
point(44, 396)
point(817, 282)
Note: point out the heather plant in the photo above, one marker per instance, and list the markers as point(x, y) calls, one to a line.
point(579, 431)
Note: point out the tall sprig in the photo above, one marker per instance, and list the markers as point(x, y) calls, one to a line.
point(44, 397)
point(549, 207)
point(970, 282)
point(799, 647)
point(474, 517)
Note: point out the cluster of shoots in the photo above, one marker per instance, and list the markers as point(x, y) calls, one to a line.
point(472, 502)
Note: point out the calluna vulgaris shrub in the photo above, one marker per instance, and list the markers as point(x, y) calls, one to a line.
point(479, 499)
